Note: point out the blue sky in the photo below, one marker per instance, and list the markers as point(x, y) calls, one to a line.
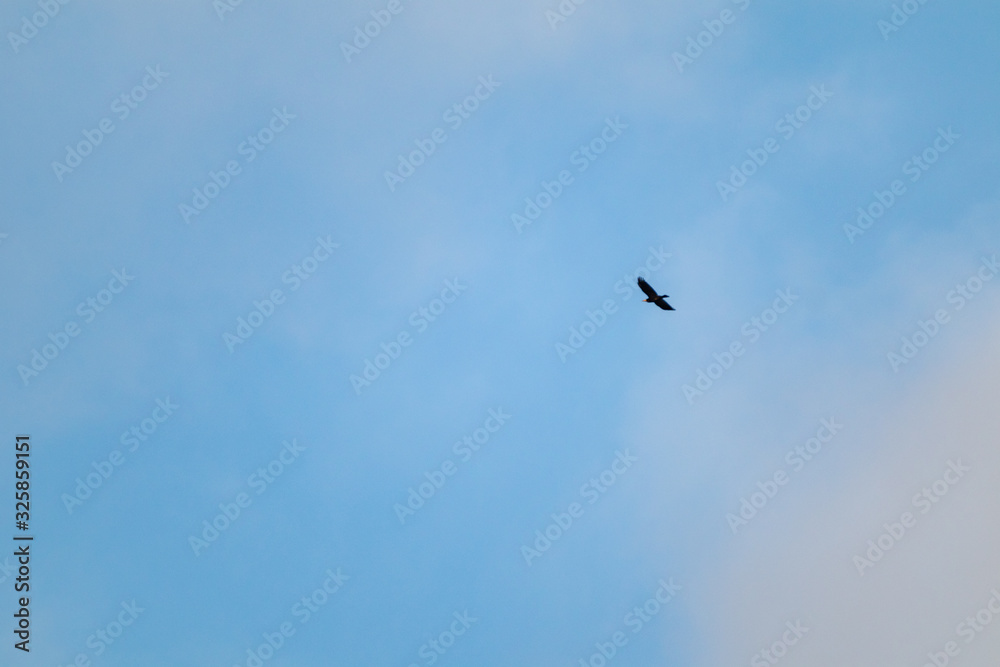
point(262, 102)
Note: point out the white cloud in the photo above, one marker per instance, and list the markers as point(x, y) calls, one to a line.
point(795, 560)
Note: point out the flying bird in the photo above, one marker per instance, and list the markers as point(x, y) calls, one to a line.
point(658, 299)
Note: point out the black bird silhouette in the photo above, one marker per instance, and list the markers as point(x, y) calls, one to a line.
point(658, 299)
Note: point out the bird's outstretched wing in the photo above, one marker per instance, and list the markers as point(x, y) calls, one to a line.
point(662, 303)
point(645, 287)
